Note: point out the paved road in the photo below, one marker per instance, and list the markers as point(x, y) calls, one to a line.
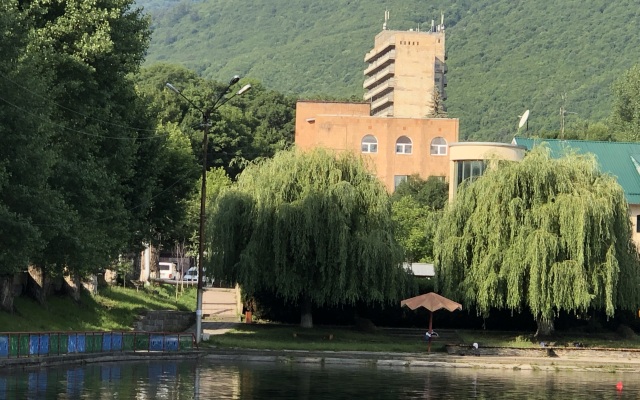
point(216, 327)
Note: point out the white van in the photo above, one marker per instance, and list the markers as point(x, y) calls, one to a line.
point(192, 276)
point(168, 270)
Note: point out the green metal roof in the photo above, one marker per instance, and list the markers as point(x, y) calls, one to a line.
point(620, 159)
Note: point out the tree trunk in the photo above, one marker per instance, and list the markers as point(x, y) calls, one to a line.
point(6, 293)
point(545, 327)
point(73, 285)
point(37, 284)
point(306, 318)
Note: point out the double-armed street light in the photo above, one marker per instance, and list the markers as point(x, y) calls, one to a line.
point(206, 118)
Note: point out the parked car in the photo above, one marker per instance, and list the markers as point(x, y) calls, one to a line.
point(168, 270)
point(192, 276)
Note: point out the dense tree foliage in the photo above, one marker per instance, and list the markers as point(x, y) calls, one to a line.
point(545, 234)
point(252, 126)
point(503, 57)
point(626, 107)
point(417, 207)
point(91, 48)
point(314, 228)
point(28, 206)
point(79, 155)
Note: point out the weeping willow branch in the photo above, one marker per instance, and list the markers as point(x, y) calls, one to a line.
point(309, 225)
point(545, 234)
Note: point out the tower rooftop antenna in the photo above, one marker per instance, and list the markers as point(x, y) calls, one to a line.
point(386, 19)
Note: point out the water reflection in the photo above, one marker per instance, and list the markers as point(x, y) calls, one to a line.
point(223, 380)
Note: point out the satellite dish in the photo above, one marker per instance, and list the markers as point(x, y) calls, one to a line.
point(523, 119)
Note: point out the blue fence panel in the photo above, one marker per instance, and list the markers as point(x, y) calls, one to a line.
point(106, 342)
point(171, 343)
point(34, 344)
point(156, 343)
point(116, 341)
point(71, 346)
point(4, 346)
point(77, 343)
point(44, 344)
point(31, 344)
point(81, 343)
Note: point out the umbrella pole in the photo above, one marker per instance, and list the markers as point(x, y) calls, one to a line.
point(430, 330)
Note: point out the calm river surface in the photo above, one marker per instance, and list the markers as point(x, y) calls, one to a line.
point(227, 380)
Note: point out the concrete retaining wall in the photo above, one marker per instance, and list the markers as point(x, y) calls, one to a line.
point(551, 351)
point(164, 321)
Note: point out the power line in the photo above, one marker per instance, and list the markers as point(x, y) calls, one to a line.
point(73, 111)
point(140, 205)
point(40, 117)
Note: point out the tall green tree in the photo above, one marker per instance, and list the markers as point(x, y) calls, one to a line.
point(314, 228)
point(90, 49)
point(545, 234)
point(29, 207)
point(626, 105)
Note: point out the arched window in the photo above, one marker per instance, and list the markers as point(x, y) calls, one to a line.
point(369, 144)
point(403, 145)
point(438, 147)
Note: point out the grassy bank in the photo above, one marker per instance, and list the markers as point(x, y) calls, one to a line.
point(114, 308)
point(288, 337)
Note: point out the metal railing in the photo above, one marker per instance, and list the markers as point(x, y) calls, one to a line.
point(32, 344)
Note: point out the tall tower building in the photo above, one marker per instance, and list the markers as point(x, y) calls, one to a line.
point(405, 70)
point(397, 129)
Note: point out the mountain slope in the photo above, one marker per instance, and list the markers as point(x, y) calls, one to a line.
point(504, 56)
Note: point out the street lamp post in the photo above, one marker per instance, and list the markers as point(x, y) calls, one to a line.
point(206, 118)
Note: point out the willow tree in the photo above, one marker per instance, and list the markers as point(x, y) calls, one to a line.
point(545, 234)
point(312, 227)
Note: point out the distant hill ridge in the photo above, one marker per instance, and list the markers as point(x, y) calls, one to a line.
point(503, 56)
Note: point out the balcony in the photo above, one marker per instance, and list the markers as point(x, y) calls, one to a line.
point(371, 56)
point(380, 63)
point(441, 68)
point(380, 76)
point(381, 89)
point(380, 105)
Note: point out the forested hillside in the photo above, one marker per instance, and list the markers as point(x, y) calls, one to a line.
point(503, 56)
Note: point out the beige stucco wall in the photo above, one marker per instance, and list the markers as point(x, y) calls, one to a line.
point(320, 124)
point(416, 54)
point(472, 151)
point(634, 211)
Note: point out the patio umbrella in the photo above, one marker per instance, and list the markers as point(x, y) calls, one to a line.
point(432, 302)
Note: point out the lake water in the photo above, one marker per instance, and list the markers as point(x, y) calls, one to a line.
point(226, 380)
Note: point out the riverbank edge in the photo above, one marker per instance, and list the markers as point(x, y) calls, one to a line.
point(368, 359)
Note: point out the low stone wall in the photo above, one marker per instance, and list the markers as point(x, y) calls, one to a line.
point(164, 321)
point(549, 351)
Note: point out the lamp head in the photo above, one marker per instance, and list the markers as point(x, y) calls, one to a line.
point(245, 88)
point(234, 80)
point(170, 86)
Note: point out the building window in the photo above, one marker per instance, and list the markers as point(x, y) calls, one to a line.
point(637, 223)
point(398, 179)
point(403, 145)
point(469, 170)
point(438, 147)
point(369, 144)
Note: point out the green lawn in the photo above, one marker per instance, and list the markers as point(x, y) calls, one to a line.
point(114, 308)
point(288, 337)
